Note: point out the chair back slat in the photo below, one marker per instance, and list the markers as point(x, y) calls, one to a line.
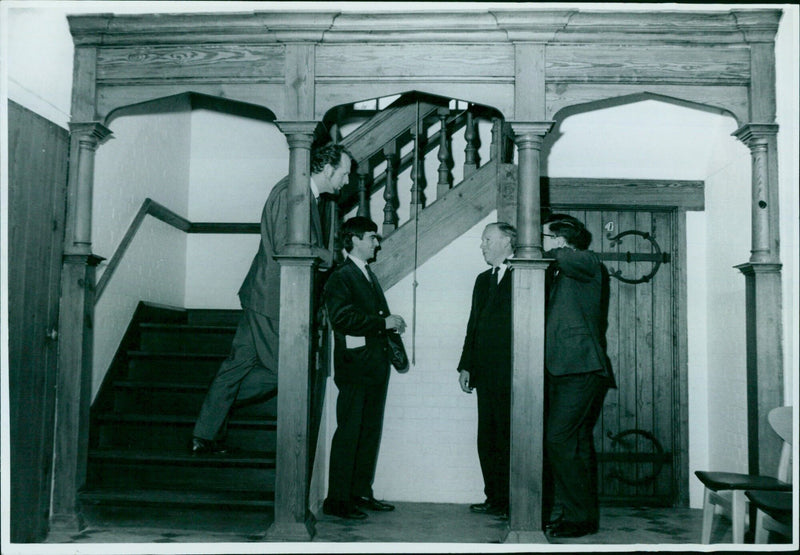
point(780, 419)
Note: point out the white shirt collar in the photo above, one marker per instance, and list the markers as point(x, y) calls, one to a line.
point(360, 263)
point(314, 190)
point(502, 271)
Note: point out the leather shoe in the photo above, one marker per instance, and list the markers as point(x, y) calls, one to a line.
point(551, 523)
point(567, 529)
point(202, 446)
point(372, 504)
point(489, 508)
point(342, 510)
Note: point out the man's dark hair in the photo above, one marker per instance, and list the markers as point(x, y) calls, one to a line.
point(327, 154)
point(355, 226)
point(571, 229)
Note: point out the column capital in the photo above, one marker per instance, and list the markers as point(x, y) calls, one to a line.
point(757, 25)
point(290, 128)
point(528, 128)
point(530, 263)
point(754, 134)
point(309, 260)
point(93, 130)
point(752, 268)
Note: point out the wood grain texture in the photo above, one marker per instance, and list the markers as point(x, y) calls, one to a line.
point(439, 224)
point(201, 62)
point(700, 65)
point(415, 60)
point(527, 395)
point(295, 363)
point(37, 173)
point(644, 193)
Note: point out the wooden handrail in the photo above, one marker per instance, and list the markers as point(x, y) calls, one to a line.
point(161, 212)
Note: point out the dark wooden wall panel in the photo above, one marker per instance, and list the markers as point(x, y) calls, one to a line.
point(36, 208)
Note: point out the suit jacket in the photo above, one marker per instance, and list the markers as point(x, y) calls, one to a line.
point(576, 314)
point(487, 346)
point(260, 291)
point(357, 308)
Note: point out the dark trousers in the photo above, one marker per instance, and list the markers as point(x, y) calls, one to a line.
point(354, 448)
point(574, 403)
point(249, 373)
point(494, 428)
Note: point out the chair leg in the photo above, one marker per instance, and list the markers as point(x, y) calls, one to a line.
point(761, 533)
point(738, 508)
point(708, 517)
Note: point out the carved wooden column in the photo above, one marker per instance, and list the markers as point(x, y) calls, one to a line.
point(763, 302)
point(76, 334)
point(293, 520)
point(527, 383)
point(763, 298)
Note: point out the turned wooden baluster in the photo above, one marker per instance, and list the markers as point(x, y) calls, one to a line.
point(444, 156)
point(390, 189)
point(471, 150)
point(363, 189)
point(418, 172)
point(496, 148)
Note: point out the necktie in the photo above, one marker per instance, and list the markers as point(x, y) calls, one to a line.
point(493, 281)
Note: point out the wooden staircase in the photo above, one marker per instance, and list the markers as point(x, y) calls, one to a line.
point(141, 428)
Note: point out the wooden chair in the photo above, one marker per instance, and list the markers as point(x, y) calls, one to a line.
point(727, 489)
point(774, 513)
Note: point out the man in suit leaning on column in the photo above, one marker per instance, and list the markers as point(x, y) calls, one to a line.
point(485, 365)
point(251, 370)
point(361, 322)
point(578, 373)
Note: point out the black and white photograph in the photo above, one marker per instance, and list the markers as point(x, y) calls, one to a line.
point(398, 277)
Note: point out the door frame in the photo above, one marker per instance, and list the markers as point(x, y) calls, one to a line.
point(676, 196)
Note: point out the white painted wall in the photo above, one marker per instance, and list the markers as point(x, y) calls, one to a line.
point(235, 162)
point(678, 143)
point(148, 157)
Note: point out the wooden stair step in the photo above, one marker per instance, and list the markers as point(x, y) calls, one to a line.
point(237, 458)
point(173, 366)
point(213, 316)
point(177, 498)
point(185, 338)
point(195, 328)
point(269, 422)
point(172, 397)
point(176, 355)
point(126, 469)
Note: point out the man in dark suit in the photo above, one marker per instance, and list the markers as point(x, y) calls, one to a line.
point(578, 372)
point(361, 320)
point(251, 370)
point(485, 364)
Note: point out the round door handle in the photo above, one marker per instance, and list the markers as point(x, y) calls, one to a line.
point(52, 335)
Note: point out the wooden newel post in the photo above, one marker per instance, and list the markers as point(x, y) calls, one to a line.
point(76, 334)
point(527, 382)
point(764, 329)
point(293, 520)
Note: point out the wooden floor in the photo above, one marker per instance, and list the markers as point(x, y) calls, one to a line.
point(410, 525)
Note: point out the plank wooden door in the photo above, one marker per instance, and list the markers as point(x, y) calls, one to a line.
point(640, 437)
point(37, 172)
